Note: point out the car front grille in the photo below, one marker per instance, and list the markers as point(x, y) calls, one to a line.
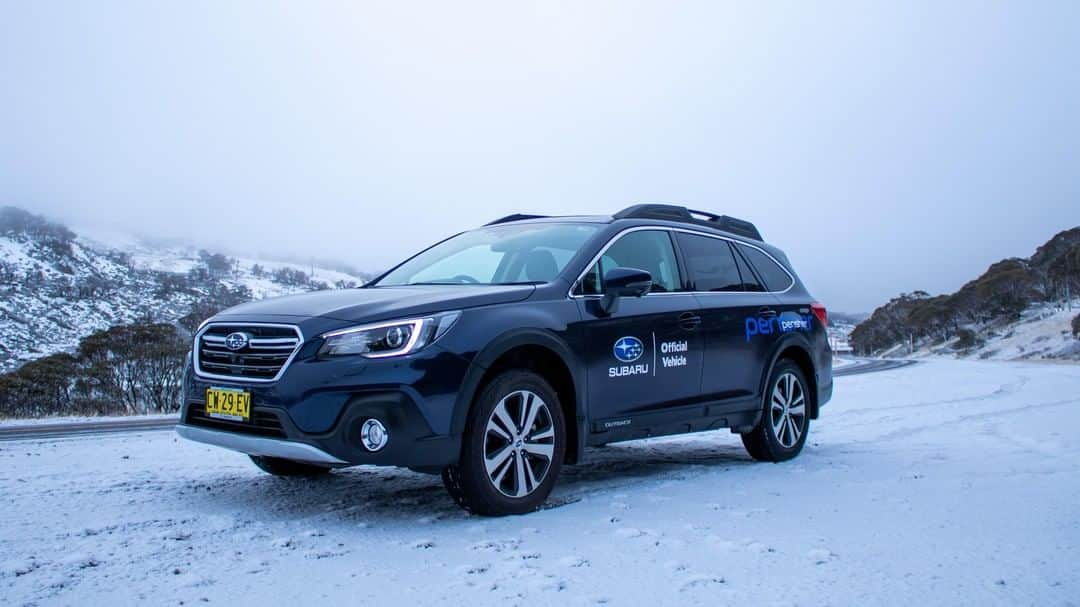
point(265, 351)
point(263, 423)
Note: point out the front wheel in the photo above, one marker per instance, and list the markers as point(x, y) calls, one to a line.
point(781, 433)
point(513, 447)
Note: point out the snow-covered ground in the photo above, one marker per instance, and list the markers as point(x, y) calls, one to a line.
point(945, 483)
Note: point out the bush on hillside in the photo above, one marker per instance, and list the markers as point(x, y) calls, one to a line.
point(290, 277)
point(1076, 326)
point(217, 265)
point(966, 339)
point(17, 222)
point(218, 297)
point(124, 369)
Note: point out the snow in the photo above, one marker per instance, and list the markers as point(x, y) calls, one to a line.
point(42, 318)
point(181, 258)
point(1043, 332)
point(947, 482)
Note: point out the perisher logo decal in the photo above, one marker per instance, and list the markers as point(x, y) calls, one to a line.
point(785, 323)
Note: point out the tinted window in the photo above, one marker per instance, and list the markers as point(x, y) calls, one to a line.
point(710, 263)
point(776, 279)
point(591, 284)
point(648, 250)
point(750, 282)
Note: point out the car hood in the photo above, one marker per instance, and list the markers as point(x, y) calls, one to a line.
point(374, 304)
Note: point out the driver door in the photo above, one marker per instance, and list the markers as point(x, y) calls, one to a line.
point(647, 355)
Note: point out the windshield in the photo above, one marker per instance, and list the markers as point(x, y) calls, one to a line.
point(532, 253)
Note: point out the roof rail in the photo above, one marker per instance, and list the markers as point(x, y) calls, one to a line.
point(514, 217)
point(670, 212)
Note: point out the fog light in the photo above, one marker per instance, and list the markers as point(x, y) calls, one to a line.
point(373, 435)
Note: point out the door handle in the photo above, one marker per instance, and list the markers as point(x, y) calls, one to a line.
point(689, 321)
point(766, 313)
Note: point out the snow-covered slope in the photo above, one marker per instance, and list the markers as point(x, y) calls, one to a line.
point(1042, 332)
point(179, 258)
point(55, 291)
point(943, 483)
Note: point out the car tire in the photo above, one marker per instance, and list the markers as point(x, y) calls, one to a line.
point(287, 467)
point(513, 447)
point(785, 420)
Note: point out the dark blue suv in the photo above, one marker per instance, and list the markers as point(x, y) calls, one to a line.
point(499, 354)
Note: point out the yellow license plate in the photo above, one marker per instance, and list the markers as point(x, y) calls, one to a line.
point(228, 403)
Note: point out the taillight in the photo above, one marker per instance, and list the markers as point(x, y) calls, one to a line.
point(819, 311)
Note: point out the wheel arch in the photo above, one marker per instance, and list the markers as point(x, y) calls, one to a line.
point(796, 349)
point(543, 353)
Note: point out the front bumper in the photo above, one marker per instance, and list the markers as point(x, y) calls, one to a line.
point(314, 412)
point(258, 445)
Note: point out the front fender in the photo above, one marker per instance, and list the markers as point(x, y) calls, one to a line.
point(504, 343)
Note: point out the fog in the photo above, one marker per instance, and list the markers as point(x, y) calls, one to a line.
point(885, 148)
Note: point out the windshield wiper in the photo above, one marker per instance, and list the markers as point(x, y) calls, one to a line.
point(476, 284)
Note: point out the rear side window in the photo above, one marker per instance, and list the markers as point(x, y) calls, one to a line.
point(751, 283)
point(649, 250)
point(775, 277)
point(710, 263)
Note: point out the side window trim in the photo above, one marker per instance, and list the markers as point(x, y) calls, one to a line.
point(738, 267)
point(573, 292)
point(685, 284)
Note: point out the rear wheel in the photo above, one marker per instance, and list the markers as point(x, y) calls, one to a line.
point(785, 422)
point(513, 447)
point(287, 467)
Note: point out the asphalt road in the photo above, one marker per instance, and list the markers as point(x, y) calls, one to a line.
point(71, 429)
point(871, 365)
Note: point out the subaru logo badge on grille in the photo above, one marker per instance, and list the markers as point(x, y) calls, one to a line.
point(236, 341)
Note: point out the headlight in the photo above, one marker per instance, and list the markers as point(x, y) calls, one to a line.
point(392, 338)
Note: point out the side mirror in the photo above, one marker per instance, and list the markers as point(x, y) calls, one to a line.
point(623, 282)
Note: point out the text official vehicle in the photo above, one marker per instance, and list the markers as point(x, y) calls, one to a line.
point(497, 355)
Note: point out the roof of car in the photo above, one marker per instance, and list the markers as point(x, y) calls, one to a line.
point(524, 218)
point(658, 212)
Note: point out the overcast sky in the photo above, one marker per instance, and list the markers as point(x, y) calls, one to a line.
point(885, 148)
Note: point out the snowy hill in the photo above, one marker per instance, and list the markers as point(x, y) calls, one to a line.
point(1017, 309)
point(57, 286)
point(1042, 332)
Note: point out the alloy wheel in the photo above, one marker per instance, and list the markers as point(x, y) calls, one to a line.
point(788, 410)
point(519, 443)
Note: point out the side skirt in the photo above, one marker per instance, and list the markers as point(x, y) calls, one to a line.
point(739, 415)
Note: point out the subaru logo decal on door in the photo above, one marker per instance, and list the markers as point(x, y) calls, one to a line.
point(628, 349)
point(236, 341)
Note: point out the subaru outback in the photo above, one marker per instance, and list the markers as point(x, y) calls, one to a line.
point(500, 354)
